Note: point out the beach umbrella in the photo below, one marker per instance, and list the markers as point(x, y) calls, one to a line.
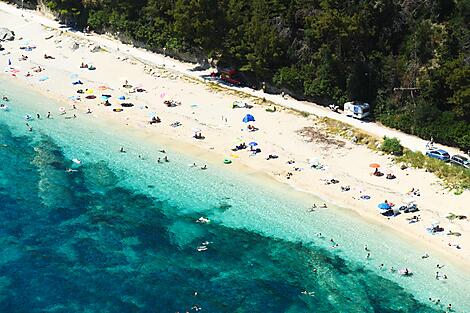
point(248, 118)
point(62, 109)
point(89, 91)
point(103, 88)
point(44, 78)
point(122, 98)
point(162, 95)
point(384, 206)
point(152, 114)
point(196, 130)
point(253, 144)
point(374, 165)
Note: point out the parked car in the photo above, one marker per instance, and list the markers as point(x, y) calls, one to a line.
point(460, 160)
point(439, 154)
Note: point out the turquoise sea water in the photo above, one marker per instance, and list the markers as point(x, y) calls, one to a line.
point(119, 234)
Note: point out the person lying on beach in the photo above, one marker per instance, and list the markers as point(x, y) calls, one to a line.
point(390, 176)
point(23, 58)
point(83, 65)
point(28, 74)
point(37, 69)
point(271, 157)
point(378, 173)
point(241, 146)
point(199, 136)
point(154, 120)
point(252, 128)
point(48, 57)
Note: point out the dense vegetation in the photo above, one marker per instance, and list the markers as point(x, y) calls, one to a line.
point(408, 58)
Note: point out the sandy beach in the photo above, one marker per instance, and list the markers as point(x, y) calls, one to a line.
point(295, 141)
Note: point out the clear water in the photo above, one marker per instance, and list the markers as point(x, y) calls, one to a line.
point(119, 235)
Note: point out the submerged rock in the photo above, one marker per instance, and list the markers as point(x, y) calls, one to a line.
point(6, 34)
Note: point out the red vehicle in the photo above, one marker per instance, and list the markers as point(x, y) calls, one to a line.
point(228, 75)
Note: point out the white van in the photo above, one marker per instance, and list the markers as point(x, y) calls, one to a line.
point(356, 109)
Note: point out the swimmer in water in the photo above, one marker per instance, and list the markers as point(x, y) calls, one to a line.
point(204, 167)
point(122, 150)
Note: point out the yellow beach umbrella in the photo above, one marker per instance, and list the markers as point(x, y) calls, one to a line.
point(89, 91)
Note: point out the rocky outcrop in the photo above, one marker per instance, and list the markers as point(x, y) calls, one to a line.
point(6, 34)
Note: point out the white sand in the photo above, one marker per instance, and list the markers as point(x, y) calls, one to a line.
point(206, 109)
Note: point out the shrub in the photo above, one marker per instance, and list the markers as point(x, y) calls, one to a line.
point(392, 146)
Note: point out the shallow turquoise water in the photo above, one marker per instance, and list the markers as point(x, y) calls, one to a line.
point(119, 235)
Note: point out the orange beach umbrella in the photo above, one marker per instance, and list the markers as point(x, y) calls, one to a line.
point(374, 165)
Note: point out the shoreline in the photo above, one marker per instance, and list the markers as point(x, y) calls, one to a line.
point(265, 171)
point(212, 158)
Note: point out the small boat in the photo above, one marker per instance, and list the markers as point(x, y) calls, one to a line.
point(201, 248)
point(202, 220)
point(76, 161)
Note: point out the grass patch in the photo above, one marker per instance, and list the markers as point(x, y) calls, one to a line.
point(351, 133)
point(454, 178)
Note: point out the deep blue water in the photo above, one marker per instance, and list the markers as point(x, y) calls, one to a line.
point(76, 242)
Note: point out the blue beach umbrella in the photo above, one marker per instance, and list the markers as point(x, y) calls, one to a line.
point(122, 98)
point(43, 78)
point(248, 118)
point(384, 206)
point(253, 144)
point(152, 114)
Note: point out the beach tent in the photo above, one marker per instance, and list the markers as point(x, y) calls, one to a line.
point(384, 206)
point(248, 118)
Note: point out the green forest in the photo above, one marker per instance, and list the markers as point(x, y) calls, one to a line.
point(408, 58)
